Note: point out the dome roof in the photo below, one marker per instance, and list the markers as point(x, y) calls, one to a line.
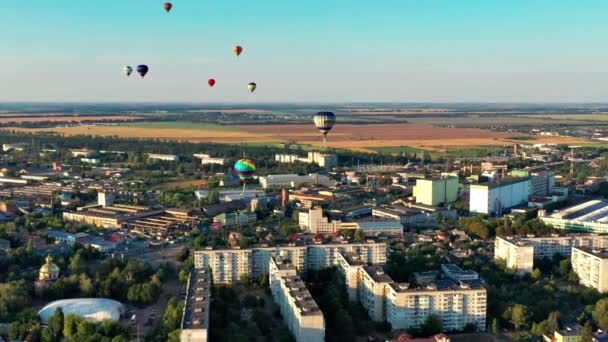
point(90, 309)
point(49, 267)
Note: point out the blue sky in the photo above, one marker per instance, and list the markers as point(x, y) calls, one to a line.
point(306, 51)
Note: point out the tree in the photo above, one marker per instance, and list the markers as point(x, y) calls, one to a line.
point(183, 254)
point(494, 327)
point(70, 325)
point(30, 247)
point(536, 274)
point(432, 325)
point(564, 267)
point(587, 333)
point(540, 329)
point(77, 264)
point(519, 316)
point(553, 321)
point(600, 314)
point(54, 330)
point(359, 236)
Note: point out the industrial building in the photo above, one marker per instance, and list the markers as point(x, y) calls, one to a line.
point(591, 267)
point(292, 180)
point(436, 191)
point(588, 217)
point(235, 218)
point(322, 159)
point(494, 198)
point(299, 310)
point(195, 318)
point(206, 159)
point(164, 157)
point(375, 228)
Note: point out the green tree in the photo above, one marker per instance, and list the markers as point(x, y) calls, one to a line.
point(30, 247)
point(553, 321)
point(519, 316)
point(359, 236)
point(494, 327)
point(70, 325)
point(77, 264)
point(600, 314)
point(540, 329)
point(587, 333)
point(536, 274)
point(54, 330)
point(432, 325)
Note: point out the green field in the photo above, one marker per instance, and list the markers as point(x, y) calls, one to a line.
point(181, 125)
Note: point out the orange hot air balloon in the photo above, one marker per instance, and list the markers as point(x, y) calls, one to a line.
point(168, 6)
point(211, 82)
point(237, 50)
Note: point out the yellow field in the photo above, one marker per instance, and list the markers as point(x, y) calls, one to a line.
point(355, 137)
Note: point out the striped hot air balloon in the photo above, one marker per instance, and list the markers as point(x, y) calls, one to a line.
point(244, 168)
point(324, 121)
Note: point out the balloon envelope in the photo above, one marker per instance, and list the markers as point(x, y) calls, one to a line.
point(167, 6)
point(142, 70)
point(324, 121)
point(211, 82)
point(127, 70)
point(237, 50)
point(251, 86)
point(244, 168)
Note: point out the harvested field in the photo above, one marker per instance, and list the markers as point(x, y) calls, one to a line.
point(231, 111)
point(357, 137)
point(53, 118)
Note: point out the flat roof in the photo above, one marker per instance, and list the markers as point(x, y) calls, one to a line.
point(591, 211)
point(196, 310)
point(378, 274)
point(600, 253)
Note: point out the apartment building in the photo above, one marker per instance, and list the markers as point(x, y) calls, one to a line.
point(229, 265)
point(456, 302)
point(236, 218)
point(195, 317)
point(495, 197)
point(543, 247)
point(299, 310)
point(518, 254)
point(314, 221)
point(591, 266)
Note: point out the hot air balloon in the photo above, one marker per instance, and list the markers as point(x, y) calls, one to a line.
point(324, 121)
point(244, 168)
point(142, 70)
point(251, 86)
point(127, 70)
point(211, 82)
point(167, 6)
point(237, 50)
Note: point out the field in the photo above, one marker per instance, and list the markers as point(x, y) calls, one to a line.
point(357, 137)
point(65, 118)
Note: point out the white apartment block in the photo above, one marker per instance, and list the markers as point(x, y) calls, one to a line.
point(457, 303)
point(591, 266)
point(518, 255)
point(229, 265)
point(516, 250)
point(314, 221)
point(494, 198)
point(299, 310)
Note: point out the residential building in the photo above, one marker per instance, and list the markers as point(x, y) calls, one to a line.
point(568, 334)
point(494, 198)
point(436, 191)
point(314, 221)
point(517, 254)
point(457, 303)
point(300, 312)
point(67, 238)
point(588, 217)
point(292, 180)
point(195, 318)
point(591, 266)
point(229, 265)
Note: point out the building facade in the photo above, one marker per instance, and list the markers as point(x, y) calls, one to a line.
point(517, 254)
point(436, 191)
point(299, 310)
point(591, 266)
point(495, 198)
point(291, 180)
point(195, 317)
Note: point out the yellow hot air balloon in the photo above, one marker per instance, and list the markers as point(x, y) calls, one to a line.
point(251, 86)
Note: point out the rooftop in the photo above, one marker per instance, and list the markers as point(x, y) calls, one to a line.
point(377, 273)
point(196, 311)
point(591, 211)
point(302, 298)
point(600, 253)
